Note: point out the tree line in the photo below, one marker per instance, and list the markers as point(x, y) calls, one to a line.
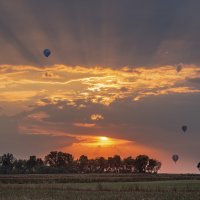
point(61, 162)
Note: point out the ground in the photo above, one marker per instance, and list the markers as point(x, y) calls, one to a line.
point(99, 187)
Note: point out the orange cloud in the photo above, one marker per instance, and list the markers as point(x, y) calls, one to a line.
point(96, 117)
point(40, 116)
point(13, 96)
point(95, 84)
point(86, 125)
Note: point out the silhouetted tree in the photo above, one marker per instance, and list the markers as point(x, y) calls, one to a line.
point(198, 166)
point(129, 164)
point(20, 166)
point(83, 163)
point(34, 164)
point(92, 165)
point(141, 163)
point(39, 162)
point(7, 162)
point(111, 163)
point(117, 162)
point(60, 160)
point(31, 163)
point(153, 166)
point(100, 164)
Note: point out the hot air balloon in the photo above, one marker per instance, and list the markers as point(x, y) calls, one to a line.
point(175, 158)
point(184, 128)
point(47, 52)
point(179, 68)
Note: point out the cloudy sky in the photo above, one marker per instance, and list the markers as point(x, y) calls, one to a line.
point(110, 85)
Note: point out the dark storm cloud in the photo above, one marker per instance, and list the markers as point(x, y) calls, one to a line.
point(112, 33)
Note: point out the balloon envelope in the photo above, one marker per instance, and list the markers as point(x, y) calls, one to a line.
point(47, 52)
point(184, 128)
point(179, 68)
point(175, 158)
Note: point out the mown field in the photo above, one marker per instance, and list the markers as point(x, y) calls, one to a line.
point(100, 186)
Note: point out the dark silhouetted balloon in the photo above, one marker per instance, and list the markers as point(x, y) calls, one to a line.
point(179, 68)
point(175, 158)
point(47, 52)
point(184, 128)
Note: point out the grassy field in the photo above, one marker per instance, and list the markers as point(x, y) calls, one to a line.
point(100, 186)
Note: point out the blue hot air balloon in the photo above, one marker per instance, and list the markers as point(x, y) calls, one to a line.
point(47, 52)
point(175, 158)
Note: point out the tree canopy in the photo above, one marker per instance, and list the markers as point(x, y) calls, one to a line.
point(61, 162)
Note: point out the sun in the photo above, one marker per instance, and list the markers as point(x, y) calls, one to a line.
point(100, 141)
point(104, 141)
point(103, 138)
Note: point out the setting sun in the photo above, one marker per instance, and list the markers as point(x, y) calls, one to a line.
point(103, 138)
point(100, 141)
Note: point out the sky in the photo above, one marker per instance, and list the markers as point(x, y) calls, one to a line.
point(110, 85)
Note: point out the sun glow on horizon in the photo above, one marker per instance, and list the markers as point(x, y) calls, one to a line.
point(101, 141)
point(97, 146)
point(103, 138)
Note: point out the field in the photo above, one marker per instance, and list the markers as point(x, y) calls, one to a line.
point(100, 186)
